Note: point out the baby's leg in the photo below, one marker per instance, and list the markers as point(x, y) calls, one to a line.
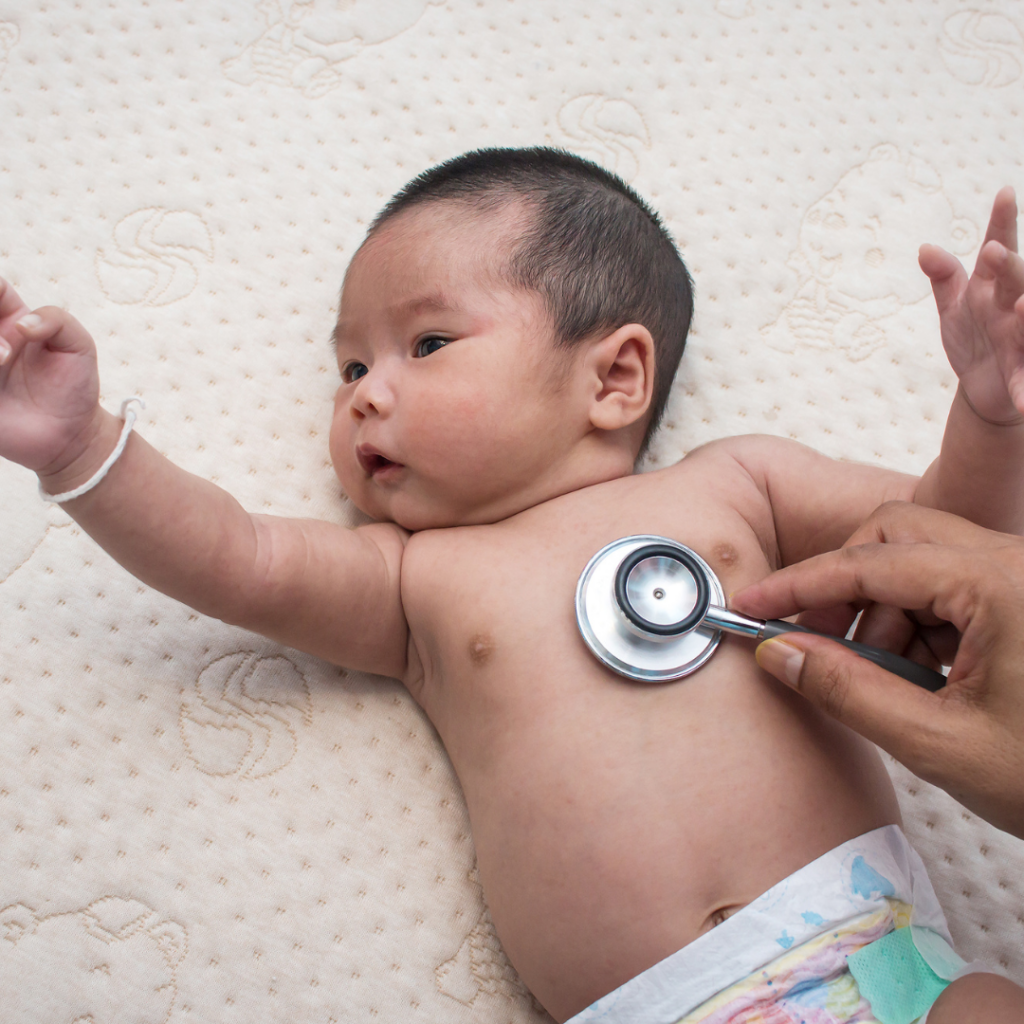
point(979, 999)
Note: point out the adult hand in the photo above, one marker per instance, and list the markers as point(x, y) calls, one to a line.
point(961, 583)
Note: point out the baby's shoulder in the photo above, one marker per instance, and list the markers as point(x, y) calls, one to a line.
point(745, 456)
point(746, 446)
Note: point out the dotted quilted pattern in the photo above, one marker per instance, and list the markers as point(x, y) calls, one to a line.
point(975, 868)
point(254, 833)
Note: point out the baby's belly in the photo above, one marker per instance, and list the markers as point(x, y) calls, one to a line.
point(614, 822)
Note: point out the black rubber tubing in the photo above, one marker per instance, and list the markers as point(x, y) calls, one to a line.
point(684, 557)
point(917, 674)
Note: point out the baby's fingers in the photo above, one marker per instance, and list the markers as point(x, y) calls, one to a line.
point(1002, 225)
point(947, 275)
point(1006, 269)
point(13, 340)
point(55, 328)
point(11, 303)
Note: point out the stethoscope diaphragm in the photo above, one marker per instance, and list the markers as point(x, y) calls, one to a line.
point(632, 599)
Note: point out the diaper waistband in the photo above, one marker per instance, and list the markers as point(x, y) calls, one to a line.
point(860, 876)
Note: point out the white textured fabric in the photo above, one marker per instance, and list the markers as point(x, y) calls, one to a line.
point(201, 826)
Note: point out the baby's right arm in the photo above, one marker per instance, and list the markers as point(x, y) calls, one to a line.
point(312, 585)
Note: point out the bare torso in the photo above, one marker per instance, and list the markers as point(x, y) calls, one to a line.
point(614, 821)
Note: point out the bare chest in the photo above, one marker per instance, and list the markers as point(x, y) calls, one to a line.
point(492, 608)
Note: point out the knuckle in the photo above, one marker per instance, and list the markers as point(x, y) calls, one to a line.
point(855, 561)
point(890, 515)
point(891, 509)
point(833, 690)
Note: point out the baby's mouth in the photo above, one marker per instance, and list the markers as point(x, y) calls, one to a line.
point(373, 462)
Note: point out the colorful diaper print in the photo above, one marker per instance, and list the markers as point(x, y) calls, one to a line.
point(808, 985)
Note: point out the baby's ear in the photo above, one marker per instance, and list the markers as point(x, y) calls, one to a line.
point(621, 370)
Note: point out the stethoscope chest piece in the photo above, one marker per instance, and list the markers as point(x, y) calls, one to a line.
point(639, 606)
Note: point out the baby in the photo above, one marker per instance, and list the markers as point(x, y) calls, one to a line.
point(507, 338)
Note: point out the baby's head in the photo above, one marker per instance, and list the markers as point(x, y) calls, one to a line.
point(508, 332)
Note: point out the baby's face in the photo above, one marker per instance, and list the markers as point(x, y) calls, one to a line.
point(450, 410)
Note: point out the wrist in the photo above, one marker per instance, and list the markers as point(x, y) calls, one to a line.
point(82, 459)
point(1006, 416)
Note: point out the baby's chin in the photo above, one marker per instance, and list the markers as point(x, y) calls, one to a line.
point(416, 516)
point(409, 515)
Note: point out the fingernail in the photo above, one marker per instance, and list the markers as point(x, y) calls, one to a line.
point(5, 351)
point(30, 320)
point(782, 660)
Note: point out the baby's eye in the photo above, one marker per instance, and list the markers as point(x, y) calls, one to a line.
point(428, 346)
point(353, 371)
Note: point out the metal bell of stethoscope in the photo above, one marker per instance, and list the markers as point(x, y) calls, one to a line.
point(653, 610)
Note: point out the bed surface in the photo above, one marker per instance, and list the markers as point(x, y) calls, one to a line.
point(199, 825)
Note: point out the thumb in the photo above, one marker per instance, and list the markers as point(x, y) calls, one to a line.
point(901, 718)
point(56, 329)
point(946, 273)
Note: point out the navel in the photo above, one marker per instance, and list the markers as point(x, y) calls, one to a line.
point(716, 917)
point(481, 647)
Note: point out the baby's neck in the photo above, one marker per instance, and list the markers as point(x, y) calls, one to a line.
point(588, 466)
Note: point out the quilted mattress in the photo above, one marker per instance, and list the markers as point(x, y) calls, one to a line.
point(199, 825)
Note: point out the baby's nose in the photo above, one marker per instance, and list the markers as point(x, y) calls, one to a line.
point(374, 395)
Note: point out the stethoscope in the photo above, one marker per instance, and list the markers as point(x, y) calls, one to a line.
point(653, 610)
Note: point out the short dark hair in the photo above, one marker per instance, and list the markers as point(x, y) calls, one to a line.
point(596, 252)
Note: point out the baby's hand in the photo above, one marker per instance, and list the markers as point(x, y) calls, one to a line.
point(983, 318)
point(49, 385)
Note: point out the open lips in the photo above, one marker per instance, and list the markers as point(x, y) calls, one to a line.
point(372, 461)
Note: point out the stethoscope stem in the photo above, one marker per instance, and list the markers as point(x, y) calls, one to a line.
point(733, 622)
point(758, 629)
point(653, 610)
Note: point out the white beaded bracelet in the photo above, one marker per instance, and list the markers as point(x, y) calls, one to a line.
point(129, 415)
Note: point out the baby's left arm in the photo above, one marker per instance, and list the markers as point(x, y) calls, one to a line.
point(816, 503)
point(979, 473)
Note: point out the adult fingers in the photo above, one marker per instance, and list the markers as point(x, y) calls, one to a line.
point(973, 753)
point(886, 627)
point(909, 576)
point(919, 651)
point(906, 720)
point(919, 636)
point(934, 645)
point(902, 522)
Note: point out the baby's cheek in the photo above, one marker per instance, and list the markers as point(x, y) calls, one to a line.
point(334, 450)
point(342, 456)
point(470, 410)
point(464, 428)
